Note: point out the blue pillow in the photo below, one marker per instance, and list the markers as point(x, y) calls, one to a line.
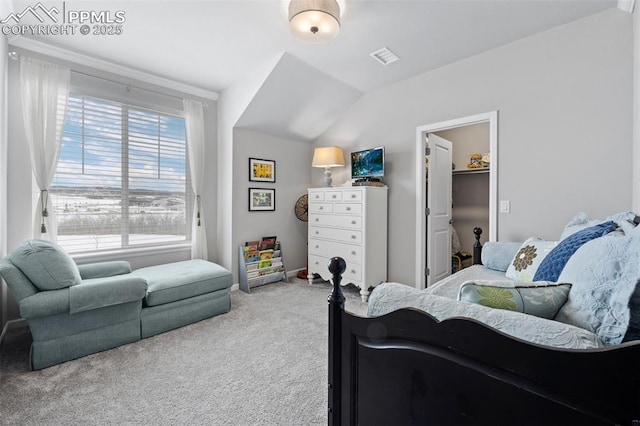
point(553, 264)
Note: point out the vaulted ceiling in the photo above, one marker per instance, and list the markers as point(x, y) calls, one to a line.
point(211, 44)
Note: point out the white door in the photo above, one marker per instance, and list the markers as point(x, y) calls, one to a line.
point(438, 209)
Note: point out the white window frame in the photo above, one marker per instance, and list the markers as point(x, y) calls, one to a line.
point(164, 247)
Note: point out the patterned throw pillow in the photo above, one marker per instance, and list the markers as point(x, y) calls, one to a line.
point(542, 299)
point(553, 264)
point(525, 263)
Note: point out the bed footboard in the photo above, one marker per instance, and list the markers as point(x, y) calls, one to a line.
point(408, 368)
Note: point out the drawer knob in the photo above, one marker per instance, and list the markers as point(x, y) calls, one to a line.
point(348, 209)
point(353, 222)
point(353, 237)
point(353, 271)
point(317, 219)
point(353, 195)
point(353, 253)
point(317, 232)
point(320, 208)
point(317, 246)
point(317, 263)
point(333, 196)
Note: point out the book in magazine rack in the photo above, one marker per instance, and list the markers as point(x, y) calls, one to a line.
point(407, 368)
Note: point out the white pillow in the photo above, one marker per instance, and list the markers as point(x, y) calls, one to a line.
point(525, 263)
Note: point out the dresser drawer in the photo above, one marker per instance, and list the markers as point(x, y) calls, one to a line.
point(348, 208)
point(333, 196)
point(320, 264)
point(352, 195)
point(350, 222)
point(320, 208)
point(348, 236)
point(316, 196)
point(353, 272)
point(329, 249)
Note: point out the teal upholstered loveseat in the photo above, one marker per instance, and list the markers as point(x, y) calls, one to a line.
point(74, 311)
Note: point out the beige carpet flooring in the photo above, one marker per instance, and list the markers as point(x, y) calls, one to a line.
point(263, 363)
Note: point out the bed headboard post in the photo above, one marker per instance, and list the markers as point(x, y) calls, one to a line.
point(337, 266)
point(477, 247)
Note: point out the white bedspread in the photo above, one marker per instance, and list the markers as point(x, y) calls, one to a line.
point(440, 301)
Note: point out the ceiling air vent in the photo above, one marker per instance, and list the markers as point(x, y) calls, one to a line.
point(384, 56)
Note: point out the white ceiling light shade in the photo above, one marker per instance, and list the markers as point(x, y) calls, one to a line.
point(314, 21)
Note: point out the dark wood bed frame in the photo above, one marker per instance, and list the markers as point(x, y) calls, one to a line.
point(407, 368)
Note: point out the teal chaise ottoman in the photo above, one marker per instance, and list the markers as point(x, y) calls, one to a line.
point(181, 293)
point(73, 311)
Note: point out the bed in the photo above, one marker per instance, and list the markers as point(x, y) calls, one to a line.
point(407, 368)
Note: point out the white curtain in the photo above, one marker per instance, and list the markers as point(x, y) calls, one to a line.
point(195, 144)
point(45, 89)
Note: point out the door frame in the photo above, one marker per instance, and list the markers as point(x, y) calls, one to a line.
point(421, 199)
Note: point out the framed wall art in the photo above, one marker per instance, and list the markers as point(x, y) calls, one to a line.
point(262, 200)
point(262, 170)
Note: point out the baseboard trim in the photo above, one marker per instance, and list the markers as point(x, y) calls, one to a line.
point(290, 274)
point(293, 273)
point(11, 324)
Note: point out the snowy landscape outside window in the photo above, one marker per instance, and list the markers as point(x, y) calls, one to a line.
point(122, 178)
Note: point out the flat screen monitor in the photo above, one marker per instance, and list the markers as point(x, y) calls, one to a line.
point(368, 163)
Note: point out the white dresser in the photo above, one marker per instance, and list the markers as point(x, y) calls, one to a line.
point(349, 222)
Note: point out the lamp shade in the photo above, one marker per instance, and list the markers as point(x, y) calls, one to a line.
point(328, 156)
point(314, 21)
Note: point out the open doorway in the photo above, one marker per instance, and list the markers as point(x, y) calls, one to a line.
point(442, 180)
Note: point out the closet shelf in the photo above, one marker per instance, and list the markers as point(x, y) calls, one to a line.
point(470, 171)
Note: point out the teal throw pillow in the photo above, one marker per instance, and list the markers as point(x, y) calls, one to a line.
point(542, 299)
point(46, 265)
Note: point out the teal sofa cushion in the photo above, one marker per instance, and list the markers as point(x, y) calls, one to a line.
point(45, 303)
point(19, 284)
point(181, 280)
point(46, 265)
point(104, 269)
point(102, 292)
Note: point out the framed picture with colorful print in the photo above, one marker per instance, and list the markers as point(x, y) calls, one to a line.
point(262, 200)
point(262, 170)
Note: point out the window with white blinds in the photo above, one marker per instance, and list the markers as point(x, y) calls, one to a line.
point(122, 177)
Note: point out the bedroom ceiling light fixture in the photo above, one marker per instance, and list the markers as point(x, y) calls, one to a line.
point(314, 21)
point(327, 157)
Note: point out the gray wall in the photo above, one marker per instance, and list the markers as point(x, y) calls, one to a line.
point(232, 103)
point(3, 163)
point(636, 109)
point(564, 98)
point(293, 160)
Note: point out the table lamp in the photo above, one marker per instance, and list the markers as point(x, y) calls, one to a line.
point(327, 157)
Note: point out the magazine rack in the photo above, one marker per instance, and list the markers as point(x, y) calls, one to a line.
point(267, 268)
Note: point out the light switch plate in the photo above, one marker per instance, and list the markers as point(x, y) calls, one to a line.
point(505, 206)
